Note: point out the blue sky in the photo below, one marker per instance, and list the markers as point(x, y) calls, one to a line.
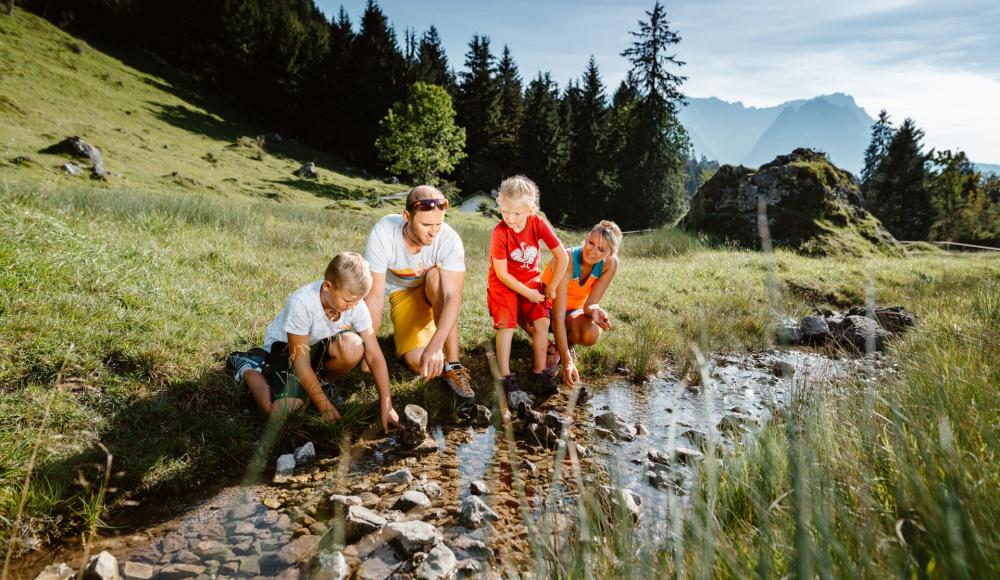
point(937, 62)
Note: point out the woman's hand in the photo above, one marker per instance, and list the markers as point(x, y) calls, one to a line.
point(600, 318)
point(551, 292)
point(570, 375)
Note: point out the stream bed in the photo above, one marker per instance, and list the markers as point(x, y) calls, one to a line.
point(476, 503)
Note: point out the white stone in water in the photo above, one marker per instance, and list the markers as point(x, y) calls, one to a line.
point(332, 566)
point(412, 536)
point(398, 476)
point(514, 398)
point(411, 499)
point(440, 563)
point(305, 454)
point(478, 488)
point(624, 500)
point(475, 512)
point(284, 468)
point(430, 488)
point(103, 566)
point(138, 571)
point(56, 572)
point(640, 429)
point(415, 417)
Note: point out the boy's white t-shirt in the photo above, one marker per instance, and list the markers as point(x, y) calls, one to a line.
point(303, 314)
point(386, 252)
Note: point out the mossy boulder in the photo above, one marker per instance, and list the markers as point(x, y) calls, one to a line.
point(812, 206)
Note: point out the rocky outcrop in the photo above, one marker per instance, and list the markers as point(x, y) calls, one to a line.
point(812, 206)
point(859, 329)
point(79, 148)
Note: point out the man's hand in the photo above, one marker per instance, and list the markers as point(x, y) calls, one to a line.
point(601, 318)
point(570, 375)
point(389, 417)
point(431, 363)
point(331, 414)
point(535, 296)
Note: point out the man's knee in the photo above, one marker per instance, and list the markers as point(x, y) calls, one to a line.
point(432, 285)
point(412, 359)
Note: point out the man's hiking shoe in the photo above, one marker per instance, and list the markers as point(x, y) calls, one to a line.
point(545, 383)
point(458, 380)
point(333, 394)
point(239, 362)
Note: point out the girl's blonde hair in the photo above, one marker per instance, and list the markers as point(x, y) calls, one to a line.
point(611, 232)
point(519, 187)
point(349, 271)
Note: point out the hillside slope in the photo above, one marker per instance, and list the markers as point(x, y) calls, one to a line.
point(154, 133)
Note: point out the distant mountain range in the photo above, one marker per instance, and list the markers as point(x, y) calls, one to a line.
point(735, 134)
point(988, 168)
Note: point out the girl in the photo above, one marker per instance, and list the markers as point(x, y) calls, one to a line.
point(577, 316)
point(515, 294)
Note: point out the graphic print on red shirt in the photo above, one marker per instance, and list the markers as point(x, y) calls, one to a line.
point(521, 249)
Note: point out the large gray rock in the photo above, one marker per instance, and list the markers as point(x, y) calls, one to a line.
point(413, 536)
point(397, 477)
point(814, 330)
point(614, 423)
point(414, 422)
point(305, 454)
point(103, 566)
point(430, 488)
point(79, 148)
point(379, 567)
point(411, 499)
point(440, 563)
point(284, 468)
point(475, 512)
point(307, 171)
point(516, 398)
point(861, 333)
point(361, 521)
point(812, 206)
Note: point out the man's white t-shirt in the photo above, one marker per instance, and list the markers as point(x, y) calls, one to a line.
point(386, 252)
point(303, 314)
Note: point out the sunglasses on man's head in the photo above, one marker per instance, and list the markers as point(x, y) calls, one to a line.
point(427, 204)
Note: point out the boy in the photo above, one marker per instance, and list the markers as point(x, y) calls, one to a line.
point(323, 331)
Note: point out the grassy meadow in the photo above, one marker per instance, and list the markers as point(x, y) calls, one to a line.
point(119, 301)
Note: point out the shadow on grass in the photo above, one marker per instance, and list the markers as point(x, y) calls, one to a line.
point(326, 190)
point(194, 121)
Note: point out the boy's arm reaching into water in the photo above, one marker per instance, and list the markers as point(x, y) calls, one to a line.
point(500, 267)
point(298, 352)
point(376, 362)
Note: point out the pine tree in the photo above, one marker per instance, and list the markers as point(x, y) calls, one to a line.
point(954, 183)
point(478, 106)
point(882, 133)
point(377, 82)
point(542, 145)
point(585, 168)
point(651, 170)
point(900, 189)
point(511, 112)
point(432, 63)
point(332, 88)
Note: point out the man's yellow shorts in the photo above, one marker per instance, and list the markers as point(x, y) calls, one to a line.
point(412, 319)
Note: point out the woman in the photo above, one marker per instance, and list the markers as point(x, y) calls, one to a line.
point(577, 316)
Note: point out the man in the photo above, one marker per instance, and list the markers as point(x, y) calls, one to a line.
point(419, 261)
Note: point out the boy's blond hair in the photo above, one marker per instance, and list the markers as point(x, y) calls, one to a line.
point(519, 187)
point(349, 271)
point(611, 232)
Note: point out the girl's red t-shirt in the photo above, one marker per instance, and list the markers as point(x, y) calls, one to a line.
point(521, 250)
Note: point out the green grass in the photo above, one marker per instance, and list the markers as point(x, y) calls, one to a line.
point(138, 287)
